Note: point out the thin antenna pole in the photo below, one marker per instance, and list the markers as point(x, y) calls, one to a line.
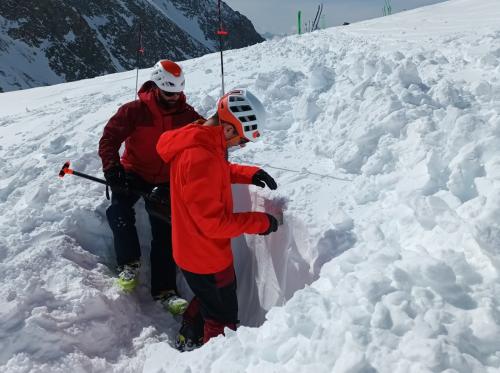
point(140, 51)
point(221, 32)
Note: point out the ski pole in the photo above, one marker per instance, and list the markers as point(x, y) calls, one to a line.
point(315, 18)
point(318, 16)
point(160, 207)
point(66, 170)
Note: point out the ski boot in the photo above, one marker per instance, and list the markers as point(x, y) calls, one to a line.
point(172, 302)
point(128, 276)
point(188, 338)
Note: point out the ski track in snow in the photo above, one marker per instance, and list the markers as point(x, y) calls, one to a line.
point(383, 137)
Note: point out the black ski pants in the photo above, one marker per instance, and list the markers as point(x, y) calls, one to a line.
point(121, 219)
point(218, 303)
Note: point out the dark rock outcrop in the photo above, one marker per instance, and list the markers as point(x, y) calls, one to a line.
point(43, 42)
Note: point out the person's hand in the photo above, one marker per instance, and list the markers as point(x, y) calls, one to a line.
point(116, 177)
point(158, 203)
point(160, 194)
point(273, 225)
point(262, 178)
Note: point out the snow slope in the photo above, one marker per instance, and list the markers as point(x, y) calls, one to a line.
point(384, 140)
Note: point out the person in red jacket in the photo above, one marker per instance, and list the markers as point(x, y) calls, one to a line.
point(203, 221)
point(161, 107)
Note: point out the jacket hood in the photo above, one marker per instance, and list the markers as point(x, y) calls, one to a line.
point(194, 135)
point(149, 94)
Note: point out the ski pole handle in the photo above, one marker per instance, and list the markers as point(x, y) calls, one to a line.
point(66, 170)
point(160, 207)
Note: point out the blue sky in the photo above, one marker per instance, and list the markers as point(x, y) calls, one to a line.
point(280, 16)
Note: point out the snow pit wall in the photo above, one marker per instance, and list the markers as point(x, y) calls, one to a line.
point(270, 269)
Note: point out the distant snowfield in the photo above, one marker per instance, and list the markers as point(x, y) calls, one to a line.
point(384, 137)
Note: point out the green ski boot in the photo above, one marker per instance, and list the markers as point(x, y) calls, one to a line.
point(128, 276)
point(172, 302)
point(189, 338)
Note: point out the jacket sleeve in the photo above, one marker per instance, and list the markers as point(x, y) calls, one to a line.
point(201, 192)
point(194, 115)
point(116, 131)
point(241, 174)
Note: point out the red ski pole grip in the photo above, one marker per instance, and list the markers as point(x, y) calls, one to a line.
point(65, 169)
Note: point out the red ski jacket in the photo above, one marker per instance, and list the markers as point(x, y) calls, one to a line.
point(203, 221)
point(139, 124)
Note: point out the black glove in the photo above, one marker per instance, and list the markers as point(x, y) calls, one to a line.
point(262, 177)
point(160, 194)
point(116, 177)
point(273, 225)
point(158, 203)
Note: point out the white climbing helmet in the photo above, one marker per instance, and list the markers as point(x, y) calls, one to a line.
point(244, 111)
point(168, 76)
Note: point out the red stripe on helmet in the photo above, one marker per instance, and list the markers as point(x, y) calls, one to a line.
point(171, 67)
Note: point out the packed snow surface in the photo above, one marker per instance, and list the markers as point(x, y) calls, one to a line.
point(384, 137)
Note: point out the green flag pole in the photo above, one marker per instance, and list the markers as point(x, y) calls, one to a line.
point(299, 22)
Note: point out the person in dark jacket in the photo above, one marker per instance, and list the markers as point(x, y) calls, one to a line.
point(161, 107)
point(203, 221)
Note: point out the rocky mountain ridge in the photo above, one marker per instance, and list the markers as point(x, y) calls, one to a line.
point(44, 42)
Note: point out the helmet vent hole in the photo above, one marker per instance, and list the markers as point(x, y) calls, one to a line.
point(235, 98)
point(248, 118)
point(238, 109)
